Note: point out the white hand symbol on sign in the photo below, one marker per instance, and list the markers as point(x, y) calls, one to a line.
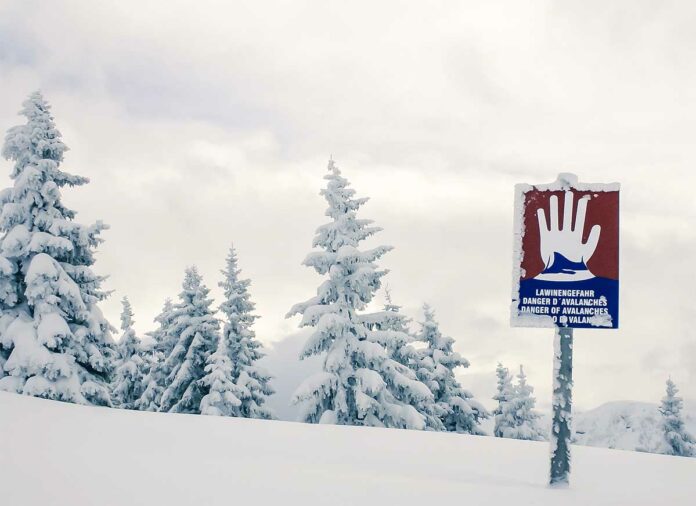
point(566, 241)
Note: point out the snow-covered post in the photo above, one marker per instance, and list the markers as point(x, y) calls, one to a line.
point(562, 400)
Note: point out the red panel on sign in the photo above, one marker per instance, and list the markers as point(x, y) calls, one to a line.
point(602, 210)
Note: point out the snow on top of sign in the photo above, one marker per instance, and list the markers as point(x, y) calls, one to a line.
point(567, 181)
point(567, 178)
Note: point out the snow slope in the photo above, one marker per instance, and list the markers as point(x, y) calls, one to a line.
point(57, 454)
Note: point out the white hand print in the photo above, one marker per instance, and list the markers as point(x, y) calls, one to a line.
point(566, 241)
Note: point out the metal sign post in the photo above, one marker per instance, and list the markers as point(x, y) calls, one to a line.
point(566, 276)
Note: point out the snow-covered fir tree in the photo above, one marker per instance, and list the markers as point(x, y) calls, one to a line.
point(504, 393)
point(398, 342)
point(359, 379)
point(223, 396)
point(677, 441)
point(149, 400)
point(236, 385)
point(456, 407)
point(56, 342)
point(391, 328)
point(196, 330)
point(162, 344)
point(128, 383)
point(162, 338)
point(519, 410)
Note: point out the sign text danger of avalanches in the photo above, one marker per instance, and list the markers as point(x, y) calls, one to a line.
point(566, 255)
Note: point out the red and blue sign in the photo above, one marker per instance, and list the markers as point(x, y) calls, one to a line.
point(566, 265)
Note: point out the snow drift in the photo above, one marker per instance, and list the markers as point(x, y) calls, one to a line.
point(624, 425)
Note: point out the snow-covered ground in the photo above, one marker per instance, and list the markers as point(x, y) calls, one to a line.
point(57, 454)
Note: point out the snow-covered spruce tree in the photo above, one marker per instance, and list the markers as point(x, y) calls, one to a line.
point(164, 341)
point(503, 395)
point(391, 329)
point(520, 409)
point(149, 400)
point(398, 342)
point(196, 331)
point(677, 441)
point(239, 351)
point(222, 397)
point(154, 356)
point(57, 343)
point(456, 407)
point(358, 381)
point(128, 382)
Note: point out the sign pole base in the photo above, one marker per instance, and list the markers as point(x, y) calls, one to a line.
point(562, 403)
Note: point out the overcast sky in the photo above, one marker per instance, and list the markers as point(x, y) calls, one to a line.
point(203, 123)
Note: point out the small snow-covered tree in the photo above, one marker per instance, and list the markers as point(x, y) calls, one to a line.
point(503, 395)
point(128, 384)
point(248, 382)
point(56, 342)
point(521, 410)
point(196, 330)
point(149, 400)
point(359, 379)
point(398, 341)
point(222, 396)
point(391, 328)
point(163, 341)
point(677, 441)
point(456, 407)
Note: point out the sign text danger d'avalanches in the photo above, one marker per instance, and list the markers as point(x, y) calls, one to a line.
point(566, 262)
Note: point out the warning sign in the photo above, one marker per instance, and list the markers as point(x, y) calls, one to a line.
point(566, 262)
